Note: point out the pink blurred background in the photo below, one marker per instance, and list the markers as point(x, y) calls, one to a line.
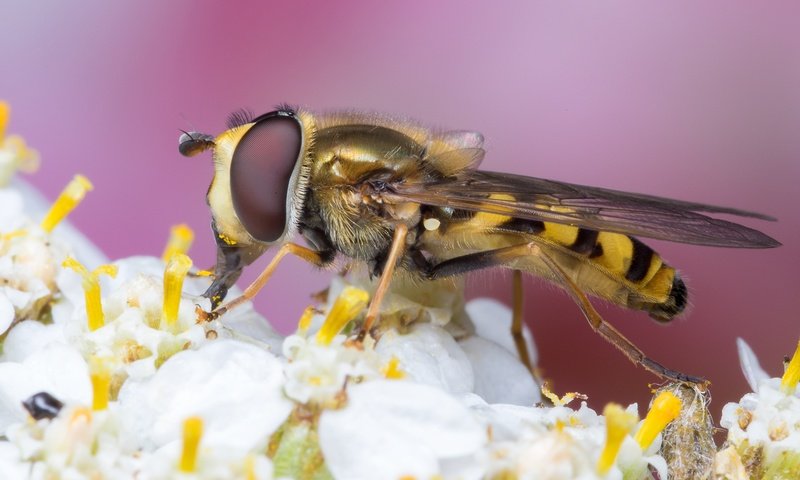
point(698, 102)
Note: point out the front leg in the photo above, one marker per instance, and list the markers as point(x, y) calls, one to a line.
point(395, 254)
point(319, 259)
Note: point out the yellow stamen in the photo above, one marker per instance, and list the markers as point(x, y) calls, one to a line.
point(180, 241)
point(100, 375)
point(560, 401)
point(392, 369)
point(559, 426)
point(91, 290)
point(665, 409)
point(80, 414)
point(192, 432)
point(250, 467)
point(305, 320)
point(26, 159)
point(204, 273)
point(618, 424)
point(792, 374)
point(66, 202)
point(5, 113)
point(13, 234)
point(350, 303)
point(176, 270)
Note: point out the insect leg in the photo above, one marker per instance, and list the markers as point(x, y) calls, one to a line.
point(311, 256)
point(395, 253)
point(517, 323)
point(502, 256)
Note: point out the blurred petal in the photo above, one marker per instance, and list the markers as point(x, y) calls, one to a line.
point(6, 313)
point(499, 375)
point(492, 321)
point(395, 428)
point(752, 370)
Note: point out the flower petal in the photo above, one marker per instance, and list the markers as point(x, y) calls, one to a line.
point(6, 313)
point(235, 387)
point(29, 337)
point(429, 355)
point(492, 321)
point(392, 428)
point(752, 370)
point(499, 375)
point(59, 370)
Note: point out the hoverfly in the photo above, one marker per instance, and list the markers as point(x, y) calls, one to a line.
point(396, 195)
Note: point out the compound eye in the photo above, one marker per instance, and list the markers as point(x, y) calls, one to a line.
point(261, 169)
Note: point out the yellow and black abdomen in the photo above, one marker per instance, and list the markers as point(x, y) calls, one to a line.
point(611, 266)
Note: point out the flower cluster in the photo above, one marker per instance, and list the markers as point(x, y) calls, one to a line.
point(764, 426)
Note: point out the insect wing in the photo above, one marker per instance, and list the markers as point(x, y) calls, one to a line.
point(589, 207)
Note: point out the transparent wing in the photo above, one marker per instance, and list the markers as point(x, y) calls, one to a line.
point(589, 207)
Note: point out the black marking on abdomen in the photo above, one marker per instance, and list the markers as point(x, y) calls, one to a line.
point(641, 258)
point(675, 304)
point(523, 226)
point(585, 241)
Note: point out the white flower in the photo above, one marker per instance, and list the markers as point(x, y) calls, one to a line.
point(78, 443)
point(764, 426)
point(36, 206)
point(391, 428)
point(317, 373)
point(212, 464)
point(429, 355)
point(234, 387)
point(59, 370)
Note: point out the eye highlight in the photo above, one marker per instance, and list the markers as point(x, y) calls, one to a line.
point(261, 169)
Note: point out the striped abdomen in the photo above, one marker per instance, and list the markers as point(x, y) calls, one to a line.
point(612, 266)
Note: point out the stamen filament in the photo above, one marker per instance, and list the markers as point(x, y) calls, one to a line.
point(392, 370)
point(5, 113)
point(176, 270)
point(100, 375)
point(180, 241)
point(192, 433)
point(560, 401)
point(618, 424)
point(70, 197)
point(350, 303)
point(792, 374)
point(250, 467)
point(665, 409)
point(91, 290)
point(305, 320)
point(13, 234)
